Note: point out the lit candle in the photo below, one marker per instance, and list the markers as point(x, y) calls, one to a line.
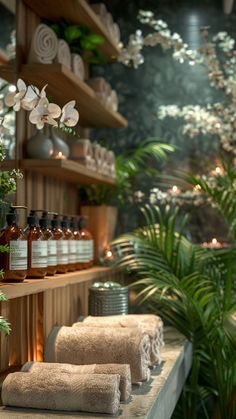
point(59, 156)
point(174, 190)
point(218, 171)
point(214, 244)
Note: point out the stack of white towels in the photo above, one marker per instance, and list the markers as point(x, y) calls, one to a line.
point(90, 366)
point(46, 48)
point(104, 92)
point(107, 19)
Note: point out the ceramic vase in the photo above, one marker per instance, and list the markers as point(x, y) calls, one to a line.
point(60, 148)
point(39, 146)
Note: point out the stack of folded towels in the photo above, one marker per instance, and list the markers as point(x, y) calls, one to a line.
point(90, 366)
point(104, 92)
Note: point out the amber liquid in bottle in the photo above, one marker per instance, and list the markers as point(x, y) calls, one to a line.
point(69, 236)
point(37, 249)
point(62, 246)
point(85, 246)
point(14, 262)
point(51, 245)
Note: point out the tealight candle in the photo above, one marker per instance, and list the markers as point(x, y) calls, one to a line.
point(214, 244)
point(174, 190)
point(60, 156)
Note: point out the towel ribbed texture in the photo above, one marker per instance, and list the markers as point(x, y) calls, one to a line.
point(96, 393)
point(123, 370)
point(88, 345)
point(148, 323)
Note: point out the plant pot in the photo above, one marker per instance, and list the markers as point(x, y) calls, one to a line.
point(101, 222)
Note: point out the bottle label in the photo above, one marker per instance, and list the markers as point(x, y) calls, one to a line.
point(62, 252)
point(18, 255)
point(85, 252)
point(72, 251)
point(39, 254)
point(52, 252)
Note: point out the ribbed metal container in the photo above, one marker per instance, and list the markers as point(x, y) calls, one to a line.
point(108, 302)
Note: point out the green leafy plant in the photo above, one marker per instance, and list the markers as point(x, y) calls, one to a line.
point(129, 166)
point(80, 39)
point(193, 289)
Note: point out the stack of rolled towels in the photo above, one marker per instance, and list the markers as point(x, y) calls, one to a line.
point(46, 48)
point(104, 92)
point(93, 156)
point(107, 19)
point(90, 366)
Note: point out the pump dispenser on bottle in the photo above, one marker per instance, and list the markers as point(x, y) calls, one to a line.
point(13, 262)
point(44, 223)
point(62, 246)
point(85, 246)
point(69, 236)
point(37, 248)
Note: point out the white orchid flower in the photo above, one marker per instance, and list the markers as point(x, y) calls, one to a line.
point(44, 112)
point(70, 115)
point(32, 97)
point(26, 97)
point(14, 99)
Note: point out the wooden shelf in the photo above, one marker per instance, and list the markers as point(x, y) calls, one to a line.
point(34, 286)
point(67, 170)
point(76, 11)
point(63, 86)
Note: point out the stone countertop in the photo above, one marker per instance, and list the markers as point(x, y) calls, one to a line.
point(153, 400)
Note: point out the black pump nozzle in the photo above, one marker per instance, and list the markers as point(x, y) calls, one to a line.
point(55, 221)
point(82, 222)
point(32, 219)
point(65, 223)
point(12, 216)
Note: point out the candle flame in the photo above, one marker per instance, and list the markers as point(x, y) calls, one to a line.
point(214, 241)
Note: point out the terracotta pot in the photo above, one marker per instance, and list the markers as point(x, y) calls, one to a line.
point(101, 222)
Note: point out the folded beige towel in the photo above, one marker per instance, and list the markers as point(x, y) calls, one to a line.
point(97, 393)
point(63, 54)
point(44, 45)
point(77, 66)
point(149, 323)
point(123, 370)
point(88, 345)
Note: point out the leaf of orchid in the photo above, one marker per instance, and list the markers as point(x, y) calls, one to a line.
point(54, 110)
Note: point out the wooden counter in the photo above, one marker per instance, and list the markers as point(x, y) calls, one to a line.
point(153, 400)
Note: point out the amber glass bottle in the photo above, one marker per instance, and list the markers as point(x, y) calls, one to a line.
point(69, 236)
point(37, 248)
point(44, 223)
point(75, 230)
point(85, 246)
point(62, 246)
point(13, 262)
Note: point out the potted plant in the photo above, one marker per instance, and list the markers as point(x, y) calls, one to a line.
point(100, 203)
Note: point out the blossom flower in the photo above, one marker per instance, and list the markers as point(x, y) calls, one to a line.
point(44, 112)
point(26, 97)
point(69, 115)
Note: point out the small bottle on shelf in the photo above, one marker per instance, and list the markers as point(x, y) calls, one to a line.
point(85, 246)
point(69, 236)
point(14, 261)
point(76, 236)
point(62, 246)
point(51, 244)
point(37, 248)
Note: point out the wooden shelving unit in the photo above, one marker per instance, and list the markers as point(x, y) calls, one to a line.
point(63, 85)
point(66, 170)
point(33, 286)
point(76, 11)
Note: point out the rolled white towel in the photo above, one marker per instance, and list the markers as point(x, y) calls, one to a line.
point(123, 370)
point(112, 101)
point(88, 345)
point(44, 45)
point(63, 55)
point(111, 163)
point(77, 66)
point(96, 393)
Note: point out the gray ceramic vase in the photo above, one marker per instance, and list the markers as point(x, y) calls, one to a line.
point(39, 146)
